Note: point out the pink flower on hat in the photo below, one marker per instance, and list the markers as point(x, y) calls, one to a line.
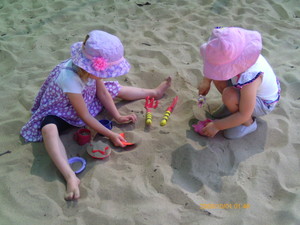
point(99, 63)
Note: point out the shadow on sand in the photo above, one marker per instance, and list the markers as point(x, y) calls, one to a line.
point(219, 157)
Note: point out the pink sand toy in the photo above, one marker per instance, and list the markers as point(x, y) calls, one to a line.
point(200, 125)
point(150, 103)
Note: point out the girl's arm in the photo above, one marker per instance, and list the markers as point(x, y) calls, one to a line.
point(246, 107)
point(107, 101)
point(204, 86)
point(79, 105)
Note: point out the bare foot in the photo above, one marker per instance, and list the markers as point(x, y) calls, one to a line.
point(161, 89)
point(72, 192)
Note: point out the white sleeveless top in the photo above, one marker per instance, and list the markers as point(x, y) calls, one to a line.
point(69, 81)
point(269, 89)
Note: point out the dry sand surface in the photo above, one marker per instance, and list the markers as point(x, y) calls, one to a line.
point(173, 175)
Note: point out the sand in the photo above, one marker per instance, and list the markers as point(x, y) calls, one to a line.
point(173, 175)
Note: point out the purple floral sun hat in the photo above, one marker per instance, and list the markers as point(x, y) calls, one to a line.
point(102, 55)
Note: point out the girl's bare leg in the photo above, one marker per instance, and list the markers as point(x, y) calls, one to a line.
point(57, 153)
point(231, 98)
point(220, 85)
point(222, 110)
point(135, 93)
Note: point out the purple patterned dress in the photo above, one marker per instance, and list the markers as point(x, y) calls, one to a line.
point(51, 100)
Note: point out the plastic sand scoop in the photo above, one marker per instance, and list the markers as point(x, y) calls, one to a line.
point(125, 142)
point(150, 103)
point(168, 112)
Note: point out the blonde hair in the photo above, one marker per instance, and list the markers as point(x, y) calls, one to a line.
point(84, 75)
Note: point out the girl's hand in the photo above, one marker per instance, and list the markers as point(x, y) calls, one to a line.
point(127, 119)
point(204, 86)
point(117, 139)
point(210, 130)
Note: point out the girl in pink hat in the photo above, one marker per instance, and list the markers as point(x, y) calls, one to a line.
point(249, 87)
point(74, 93)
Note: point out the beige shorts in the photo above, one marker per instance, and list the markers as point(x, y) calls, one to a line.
point(261, 108)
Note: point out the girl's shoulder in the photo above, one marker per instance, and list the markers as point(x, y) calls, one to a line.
point(68, 80)
point(246, 78)
point(260, 68)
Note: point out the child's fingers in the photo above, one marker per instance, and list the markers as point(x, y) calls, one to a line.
point(119, 142)
point(133, 118)
point(204, 131)
point(121, 138)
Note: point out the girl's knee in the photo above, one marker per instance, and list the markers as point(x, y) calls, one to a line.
point(49, 130)
point(230, 96)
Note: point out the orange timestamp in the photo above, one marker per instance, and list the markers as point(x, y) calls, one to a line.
point(225, 206)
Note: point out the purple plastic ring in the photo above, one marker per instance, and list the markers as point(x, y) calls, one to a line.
point(78, 159)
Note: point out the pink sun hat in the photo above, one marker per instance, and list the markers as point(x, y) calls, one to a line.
point(102, 55)
point(229, 52)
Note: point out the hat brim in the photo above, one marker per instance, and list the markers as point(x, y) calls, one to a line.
point(81, 61)
point(246, 59)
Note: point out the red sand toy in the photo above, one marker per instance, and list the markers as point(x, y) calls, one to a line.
point(169, 111)
point(125, 142)
point(150, 103)
point(82, 136)
point(99, 150)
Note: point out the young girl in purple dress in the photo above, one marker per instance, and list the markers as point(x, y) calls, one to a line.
point(74, 93)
